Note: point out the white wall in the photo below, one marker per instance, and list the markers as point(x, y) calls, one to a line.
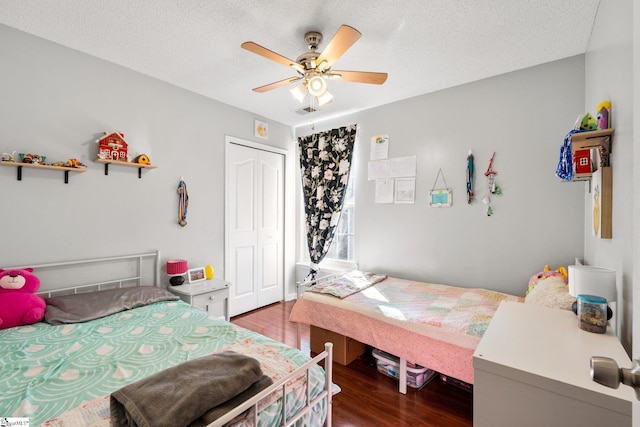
point(523, 116)
point(609, 76)
point(56, 102)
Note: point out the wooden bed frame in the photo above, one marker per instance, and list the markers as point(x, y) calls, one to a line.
point(94, 274)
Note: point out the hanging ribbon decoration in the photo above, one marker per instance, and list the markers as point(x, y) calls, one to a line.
point(470, 168)
point(492, 187)
point(564, 170)
point(183, 196)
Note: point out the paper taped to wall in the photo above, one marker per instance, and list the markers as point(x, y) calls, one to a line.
point(398, 167)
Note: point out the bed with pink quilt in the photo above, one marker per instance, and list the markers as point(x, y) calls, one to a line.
point(433, 325)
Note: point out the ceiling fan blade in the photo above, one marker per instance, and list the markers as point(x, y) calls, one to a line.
point(359, 76)
point(275, 85)
point(269, 54)
point(341, 41)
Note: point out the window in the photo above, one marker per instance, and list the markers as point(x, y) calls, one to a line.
point(342, 246)
point(341, 254)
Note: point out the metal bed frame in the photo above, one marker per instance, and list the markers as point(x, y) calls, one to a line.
point(134, 270)
point(327, 356)
point(128, 268)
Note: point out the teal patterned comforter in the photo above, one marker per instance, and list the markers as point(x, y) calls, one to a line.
point(65, 373)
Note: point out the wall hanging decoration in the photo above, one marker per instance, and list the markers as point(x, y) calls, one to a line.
point(440, 198)
point(379, 147)
point(405, 190)
point(183, 202)
point(260, 129)
point(384, 190)
point(601, 202)
point(470, 170)
point(565, 171)
point(492, 188)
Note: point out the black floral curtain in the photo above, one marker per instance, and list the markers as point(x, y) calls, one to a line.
point(325, 160)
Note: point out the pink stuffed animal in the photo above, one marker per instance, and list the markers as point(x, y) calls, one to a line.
point(18, 303)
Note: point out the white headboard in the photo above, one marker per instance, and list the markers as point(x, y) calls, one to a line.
point(93, 274)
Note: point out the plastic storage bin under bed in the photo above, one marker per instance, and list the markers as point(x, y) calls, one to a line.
point(389, 365)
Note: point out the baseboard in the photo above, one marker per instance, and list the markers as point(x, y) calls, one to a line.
point(290, 297)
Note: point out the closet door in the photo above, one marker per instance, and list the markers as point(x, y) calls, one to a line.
point(254, 227)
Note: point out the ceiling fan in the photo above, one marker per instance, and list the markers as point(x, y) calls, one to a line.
point(314, 68)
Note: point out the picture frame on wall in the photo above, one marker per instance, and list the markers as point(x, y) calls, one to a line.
point(441, 198)
point(260, 129)
point(196, 275)
point(405, 190)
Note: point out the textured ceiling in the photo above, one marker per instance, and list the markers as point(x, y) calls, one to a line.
point(424, 46)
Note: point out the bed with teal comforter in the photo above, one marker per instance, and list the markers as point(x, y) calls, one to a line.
point(63, 375)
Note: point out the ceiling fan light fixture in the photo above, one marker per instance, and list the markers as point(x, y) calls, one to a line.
point(299, 92)
point(322, 66)
point(317, 86)
point(315, 68)
point(325, 98)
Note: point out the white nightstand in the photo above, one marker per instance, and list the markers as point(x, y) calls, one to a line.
point(532, 368)
point(209, 295)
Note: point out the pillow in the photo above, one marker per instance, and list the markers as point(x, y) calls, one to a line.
point(84, 307)
point(349, 283)
point(551, 292)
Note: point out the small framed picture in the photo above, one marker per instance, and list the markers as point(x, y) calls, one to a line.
point(405, 190)
point(196, 275)
point(260, 129)
point(440, 198)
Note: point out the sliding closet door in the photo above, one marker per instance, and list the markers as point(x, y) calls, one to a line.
point(254, 227)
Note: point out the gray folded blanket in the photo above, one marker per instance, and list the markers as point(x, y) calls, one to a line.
point(185, 393)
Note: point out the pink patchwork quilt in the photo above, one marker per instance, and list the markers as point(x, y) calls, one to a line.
point(436, 326)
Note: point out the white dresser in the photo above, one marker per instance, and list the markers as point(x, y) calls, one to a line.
point(532, 368)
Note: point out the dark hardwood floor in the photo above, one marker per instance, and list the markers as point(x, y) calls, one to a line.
point(369, 398)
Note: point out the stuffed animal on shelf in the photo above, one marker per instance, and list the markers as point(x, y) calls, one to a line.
point(19, 305)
